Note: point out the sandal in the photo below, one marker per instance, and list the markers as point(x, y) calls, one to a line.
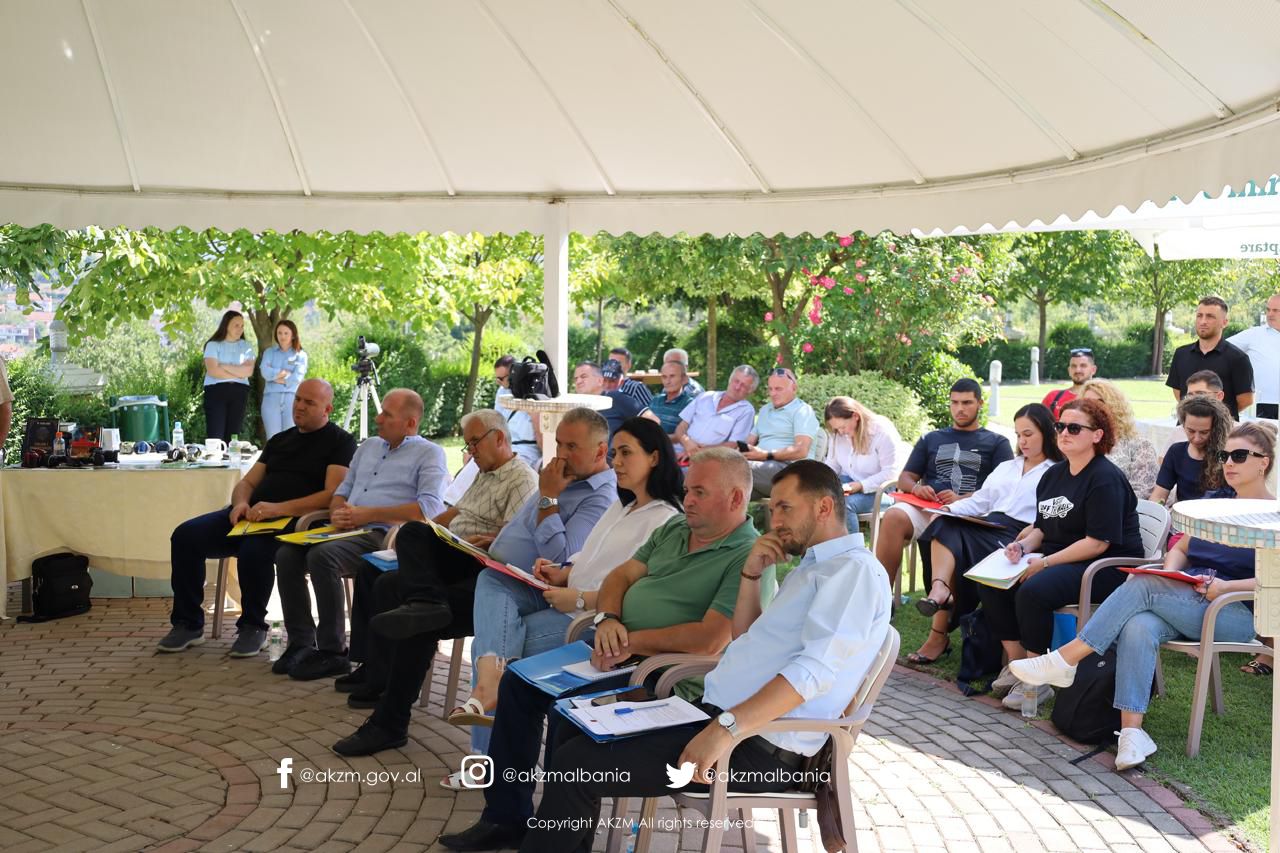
point(920, 660)
point(1257, 667)
point(470, 714)
point(453, 782)
point(928, 607)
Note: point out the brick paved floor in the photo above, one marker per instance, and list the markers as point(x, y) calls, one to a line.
point(106, 746)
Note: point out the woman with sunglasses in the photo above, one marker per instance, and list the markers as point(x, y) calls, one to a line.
point(1085, 511)
point(1007, 499)
point(1149, 610)
point(514, 620)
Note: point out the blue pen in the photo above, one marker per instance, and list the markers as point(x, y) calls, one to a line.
point(623, 710)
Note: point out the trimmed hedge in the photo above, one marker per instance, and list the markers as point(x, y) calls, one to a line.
point(932, 378)
point(883, 396)
point(1129, 356)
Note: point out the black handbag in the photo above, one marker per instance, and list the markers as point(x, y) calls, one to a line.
point(534, 380)
point(60, 586)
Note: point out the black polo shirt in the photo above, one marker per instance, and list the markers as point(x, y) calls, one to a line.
point(297, 462)
point(1226, 359)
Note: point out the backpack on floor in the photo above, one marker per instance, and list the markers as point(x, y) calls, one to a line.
point(1084, 711)
point(980, 654)
point(60, 586)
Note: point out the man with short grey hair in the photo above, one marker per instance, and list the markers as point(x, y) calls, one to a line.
point(718, 418)
point(691, 385)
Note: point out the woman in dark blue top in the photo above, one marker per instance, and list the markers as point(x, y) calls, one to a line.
point(1192, 465)
point(1149, 610)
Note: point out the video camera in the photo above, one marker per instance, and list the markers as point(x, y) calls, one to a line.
point(365, 353)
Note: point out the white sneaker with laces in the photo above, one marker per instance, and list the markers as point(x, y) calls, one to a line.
point(1135, 747)
point(1014, 700)
point(1044, 669)
point(1004, 682)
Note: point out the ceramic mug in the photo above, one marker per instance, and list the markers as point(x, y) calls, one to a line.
point(214, 446)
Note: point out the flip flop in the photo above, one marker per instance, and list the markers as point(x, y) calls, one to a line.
point(1257, 667)
point(470, 714)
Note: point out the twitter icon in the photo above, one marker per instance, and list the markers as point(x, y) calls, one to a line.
point(678, 777)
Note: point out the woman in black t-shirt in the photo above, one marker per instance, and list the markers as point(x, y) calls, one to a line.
point(1086, 510)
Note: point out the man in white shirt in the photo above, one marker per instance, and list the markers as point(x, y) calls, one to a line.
point(805, 657)
point(718, 418)
point(1262, 345)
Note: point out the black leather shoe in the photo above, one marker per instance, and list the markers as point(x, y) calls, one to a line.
point(364, 698)
point(368, 739)
point(412, 619)
point(320, 665)
point(350, 683)
point(292, 657)
point(486, 836)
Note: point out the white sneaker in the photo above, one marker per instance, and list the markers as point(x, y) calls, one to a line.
point(1044, 669)
point(1004, 682)
point(1134, 748)
point(1014, 700)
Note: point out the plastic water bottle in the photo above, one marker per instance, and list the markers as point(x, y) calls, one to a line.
point(59, 445)
point(1030, 701)
point(632, 837)
point(178, 437)
point(275, 649)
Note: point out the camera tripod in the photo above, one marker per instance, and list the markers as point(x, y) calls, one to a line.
point(366, 387)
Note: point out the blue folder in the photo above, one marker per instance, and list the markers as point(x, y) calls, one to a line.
point(546, 671)
point(562, 707)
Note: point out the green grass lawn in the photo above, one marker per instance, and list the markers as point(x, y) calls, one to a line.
point(1150, 398)
point(452, 451)
point(1230, 779)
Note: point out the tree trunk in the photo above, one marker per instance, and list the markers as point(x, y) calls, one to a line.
point(709, 380)
point(1157, 343)
point(1042, 302)
point(478, 318)
point(600, 331)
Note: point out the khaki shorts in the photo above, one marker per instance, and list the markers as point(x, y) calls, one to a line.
point(919, 518)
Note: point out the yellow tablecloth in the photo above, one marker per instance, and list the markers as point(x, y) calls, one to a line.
point(120, 519)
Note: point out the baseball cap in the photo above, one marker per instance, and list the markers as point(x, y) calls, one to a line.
point(612, 369)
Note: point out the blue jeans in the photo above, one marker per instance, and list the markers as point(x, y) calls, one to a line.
point(854, 505)
point(512, 620)
point(277, 412)
point(1143, 613)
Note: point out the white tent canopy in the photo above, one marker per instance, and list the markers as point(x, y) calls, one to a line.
point(718, 115)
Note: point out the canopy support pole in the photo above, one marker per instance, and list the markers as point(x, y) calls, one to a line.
point(555, 292)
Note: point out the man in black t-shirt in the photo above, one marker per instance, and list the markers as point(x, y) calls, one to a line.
point(1210, 351)
point(945, 465)
point(296, 474)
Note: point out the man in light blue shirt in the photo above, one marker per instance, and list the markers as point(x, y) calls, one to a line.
point(718, 418)
point(395, 476)
point(524, 432)
point(786, 430)
point(804, 657)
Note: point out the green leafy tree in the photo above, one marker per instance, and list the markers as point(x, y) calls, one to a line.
point(1058, 267)
point(482, 275)
point(1163, 285)
point(595, 281)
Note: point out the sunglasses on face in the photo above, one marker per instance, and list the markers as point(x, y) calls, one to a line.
point(1239, 456)
point(1074, 429)
point(1081, 351)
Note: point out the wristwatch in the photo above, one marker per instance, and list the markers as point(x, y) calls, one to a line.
point(545, 502)
point(602, 615)
point(729, 722)
point(769, 455)
point(580, 602)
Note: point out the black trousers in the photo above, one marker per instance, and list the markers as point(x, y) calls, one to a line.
point(1025, 613)
point(568, 817)
point(375, 592)
point(430, 570)
point(224, 405)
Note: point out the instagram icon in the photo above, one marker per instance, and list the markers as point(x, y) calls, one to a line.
point(477, 771)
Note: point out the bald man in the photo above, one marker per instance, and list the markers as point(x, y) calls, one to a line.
point(1262, 345)
point(395, 476)
point(297, 473)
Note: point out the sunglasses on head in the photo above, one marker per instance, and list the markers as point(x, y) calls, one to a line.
point(1074, 429)
point(783, 371)
point(1081, 351)
point(1239, 456)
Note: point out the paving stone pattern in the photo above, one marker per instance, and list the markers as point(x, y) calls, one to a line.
point(106, 746)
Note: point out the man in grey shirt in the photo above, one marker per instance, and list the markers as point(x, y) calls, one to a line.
point(395, 476)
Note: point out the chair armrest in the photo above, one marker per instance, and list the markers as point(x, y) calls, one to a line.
point(876, 510)
point(312, 519)
point(1209, 626)
point(578, 626)
point(390, 541)
point(1086, 583)
point(682, 665)
point(802, 724)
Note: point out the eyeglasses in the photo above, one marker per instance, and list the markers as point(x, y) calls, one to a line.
point(471, 445)
point(1074, 429)
point(1239, 456)
point(1082, 351)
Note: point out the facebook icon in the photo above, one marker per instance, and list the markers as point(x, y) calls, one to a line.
point(284, 771)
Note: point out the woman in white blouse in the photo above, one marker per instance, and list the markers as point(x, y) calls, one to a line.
point(514, 620)
point(1007, 500)
point(864, 450)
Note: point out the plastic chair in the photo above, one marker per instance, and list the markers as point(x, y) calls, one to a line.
point(1206, 651)
point(715, 804)
point(1155, 521)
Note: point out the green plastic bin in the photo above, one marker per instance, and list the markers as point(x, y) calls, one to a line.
point(141, 417)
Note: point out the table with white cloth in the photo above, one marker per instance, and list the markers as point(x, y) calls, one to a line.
point(120, 518)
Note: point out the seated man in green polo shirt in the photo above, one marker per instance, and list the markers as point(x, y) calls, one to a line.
point(786, 430)
point(676, 594)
